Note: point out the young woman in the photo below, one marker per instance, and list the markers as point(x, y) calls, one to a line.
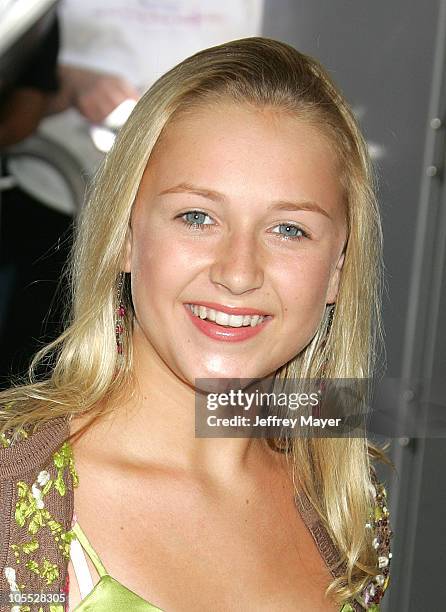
point(240, 186)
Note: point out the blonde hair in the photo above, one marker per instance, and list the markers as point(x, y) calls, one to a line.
point(89, 375)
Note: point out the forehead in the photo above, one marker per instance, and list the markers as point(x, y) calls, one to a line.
point(246, 152)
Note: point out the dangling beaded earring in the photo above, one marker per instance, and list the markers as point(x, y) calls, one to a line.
point(330, 318)
point(329, 324)
point(120, 314)
point(323, 384)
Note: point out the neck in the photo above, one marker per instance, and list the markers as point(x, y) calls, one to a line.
point(156, 426)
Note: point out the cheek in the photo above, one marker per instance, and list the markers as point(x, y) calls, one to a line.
point(162, 262)
point(302, 285)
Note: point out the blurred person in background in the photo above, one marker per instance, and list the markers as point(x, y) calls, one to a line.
point(27, 227)
point(24, 104)
point(111, 52)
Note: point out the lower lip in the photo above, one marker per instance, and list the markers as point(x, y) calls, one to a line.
point(226, 334)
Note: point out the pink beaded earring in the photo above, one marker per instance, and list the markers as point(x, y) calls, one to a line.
point(120, 314)
point(317, 410)
point(330, 318)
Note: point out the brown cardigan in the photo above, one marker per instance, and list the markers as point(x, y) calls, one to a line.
point(37, 477)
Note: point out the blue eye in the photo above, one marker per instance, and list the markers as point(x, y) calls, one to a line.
point(290, 232)
point(195, 219)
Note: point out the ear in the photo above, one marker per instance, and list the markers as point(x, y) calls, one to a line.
point(127, 261)
point(333, 286)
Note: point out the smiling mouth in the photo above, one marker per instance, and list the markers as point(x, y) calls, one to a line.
point(224, 319)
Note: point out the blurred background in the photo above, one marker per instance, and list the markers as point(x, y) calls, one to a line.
point(70, 73)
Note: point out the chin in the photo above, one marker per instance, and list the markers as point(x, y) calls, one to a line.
point(219, 380)
point(222, 384)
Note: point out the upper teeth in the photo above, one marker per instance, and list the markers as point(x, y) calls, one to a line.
point(222, 318)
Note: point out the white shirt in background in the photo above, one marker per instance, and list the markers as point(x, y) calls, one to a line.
point(139, 40)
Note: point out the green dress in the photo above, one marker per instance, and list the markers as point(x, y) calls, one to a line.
point(109, 595)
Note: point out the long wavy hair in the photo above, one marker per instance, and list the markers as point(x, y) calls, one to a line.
point(87, 374)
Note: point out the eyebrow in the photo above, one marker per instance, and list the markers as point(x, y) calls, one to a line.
point(216, 196)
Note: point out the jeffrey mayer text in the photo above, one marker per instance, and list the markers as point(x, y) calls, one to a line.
point(271, 421)
point(305, 421)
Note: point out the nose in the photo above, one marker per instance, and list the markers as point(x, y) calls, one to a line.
point(237, 263)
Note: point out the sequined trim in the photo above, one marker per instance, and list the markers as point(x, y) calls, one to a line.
point(379, 524)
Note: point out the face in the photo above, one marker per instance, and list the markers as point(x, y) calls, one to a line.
point(240, 214)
